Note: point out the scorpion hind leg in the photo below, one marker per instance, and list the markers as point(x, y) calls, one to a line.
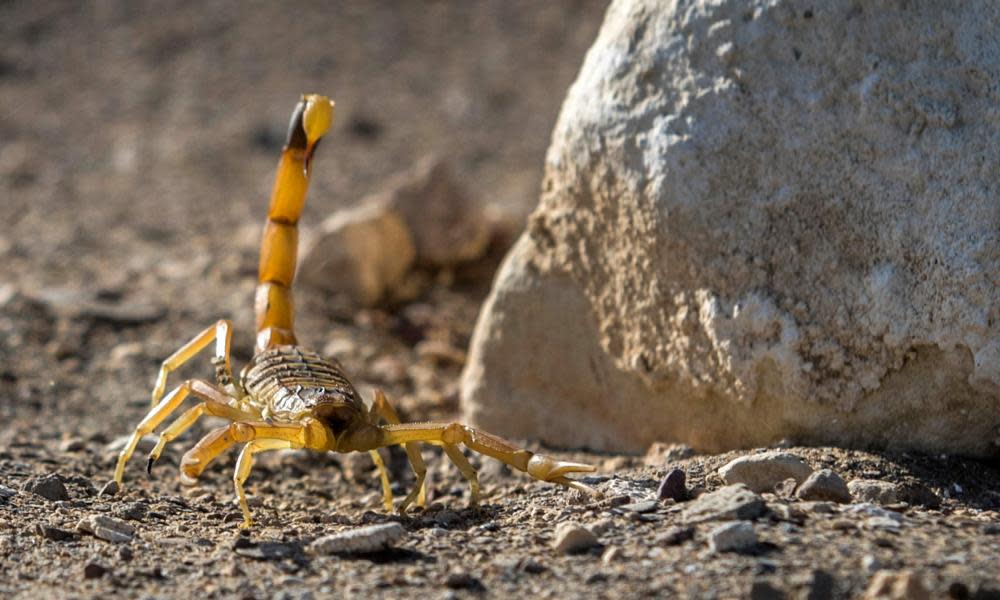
point(384, 476)
point(244, 464)
point(382, 408)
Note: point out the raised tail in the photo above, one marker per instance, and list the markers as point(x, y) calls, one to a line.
point(273, 301)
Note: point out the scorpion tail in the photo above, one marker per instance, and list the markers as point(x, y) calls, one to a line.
point(273, 301)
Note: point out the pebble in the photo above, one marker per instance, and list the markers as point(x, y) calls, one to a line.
point(724, 504)
point(733, 537)
point(762, 472)
point(573, 538)
point(107, 528)
point(463, 581)
point(673, 486)
point(896, 585)
point(49, 487)
point(110, 488)
point(72, 445)
point(874, 491)
point(825, 485)
point(362, 540)
point(674, 536)
point(6, 492)
point(55, 534)
point(611, 555)
point(135, 511)
point(94, 570)
point(639, 507)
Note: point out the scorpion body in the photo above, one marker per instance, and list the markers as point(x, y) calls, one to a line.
point(291, 397)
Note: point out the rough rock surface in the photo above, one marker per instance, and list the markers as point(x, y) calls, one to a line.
point(761, 220)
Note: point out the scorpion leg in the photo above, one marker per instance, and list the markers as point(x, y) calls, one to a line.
point(384, 476)
point(214, 407)
point(538, 466)
point(244, 464)
point(161, 411)
point(221, 333)
point(468, 471)
point(382, 408)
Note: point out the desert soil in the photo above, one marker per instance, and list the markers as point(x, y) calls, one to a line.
point(137, 146)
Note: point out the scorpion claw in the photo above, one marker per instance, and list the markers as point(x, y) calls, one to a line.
point(549, 469)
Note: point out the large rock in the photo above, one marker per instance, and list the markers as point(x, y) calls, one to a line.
point(761, 220)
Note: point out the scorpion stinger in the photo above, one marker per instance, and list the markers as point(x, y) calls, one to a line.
point(291, 397)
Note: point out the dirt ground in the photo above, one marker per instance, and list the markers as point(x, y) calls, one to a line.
point(137, 146)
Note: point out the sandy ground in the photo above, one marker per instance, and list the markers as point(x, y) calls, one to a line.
point(137, 147)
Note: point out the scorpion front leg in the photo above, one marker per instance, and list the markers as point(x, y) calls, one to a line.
point(256, 436)
point(201, 389)
point(450, 435)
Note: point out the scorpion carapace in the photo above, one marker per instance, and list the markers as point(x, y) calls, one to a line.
point(291, 397)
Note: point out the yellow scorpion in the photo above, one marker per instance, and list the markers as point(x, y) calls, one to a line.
point(291, 397)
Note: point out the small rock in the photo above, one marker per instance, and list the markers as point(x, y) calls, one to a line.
point(732, 537)
point(896, 585)
point(72, 445)
point(49, 487)
point(674, 536)
point(601, 526)
point(107, 528)
point(673, 486)
point(463, 581)
point(573, 538)
point(733, 502)
point(784, 512)
point(135, 511)
point(639, 507)
point(447, 518)
point(824, 485)
point(109, 489)
point(55, 534)
point(362, 540)
point(94, 570)
point(611, 555)
point(6, 492)
point(874, 491)
point(125, 553)
point(765, 589)
point(762, 472)
point(918, 494)
point(786, 489)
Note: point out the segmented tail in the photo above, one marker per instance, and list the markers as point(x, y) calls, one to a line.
point(273, 301)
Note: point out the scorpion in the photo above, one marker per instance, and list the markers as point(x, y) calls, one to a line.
point(288, 396)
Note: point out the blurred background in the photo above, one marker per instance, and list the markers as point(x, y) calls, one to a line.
point(138, 142)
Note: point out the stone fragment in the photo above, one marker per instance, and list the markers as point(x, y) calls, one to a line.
point(874, 491)
point(107, 528)
point(460, 580)
point(762, 472)
point(6, 492)
point(363, 540)
point(50, 487)
point(693, 273)
point(674, 536)
point(896, 585)
point(824, 485)
point(51, 532)
point(109, 489)
point(732, 537)
point(135, 511)
point(94, 570)
point(673, 486)
point(573, 538)
point(724, 504)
